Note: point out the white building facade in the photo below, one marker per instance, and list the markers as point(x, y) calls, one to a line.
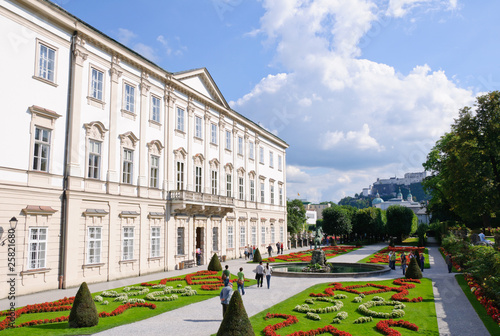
point(118, 167)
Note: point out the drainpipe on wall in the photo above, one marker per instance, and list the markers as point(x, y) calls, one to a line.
point(64, 201)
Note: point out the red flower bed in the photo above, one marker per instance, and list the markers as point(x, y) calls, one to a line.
point(489, 304)
point(126, 306)
point(292, 319)
point(163, 281)
point(305, 256)
point(385, 327)
point(402, 291)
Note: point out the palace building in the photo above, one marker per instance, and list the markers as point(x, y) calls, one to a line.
point(117, 167)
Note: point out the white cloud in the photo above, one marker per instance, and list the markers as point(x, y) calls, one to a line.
point(363, 117)
point(146, 51)
point(125, 36)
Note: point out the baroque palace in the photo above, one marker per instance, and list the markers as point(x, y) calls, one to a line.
point(117, 167)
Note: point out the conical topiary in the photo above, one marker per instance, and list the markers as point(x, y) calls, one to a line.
point(84, 312)
point(257, 257)
point(413, 271)
point(214, 264)
point(235, 320)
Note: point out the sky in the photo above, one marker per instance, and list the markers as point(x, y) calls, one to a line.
point(359, 89)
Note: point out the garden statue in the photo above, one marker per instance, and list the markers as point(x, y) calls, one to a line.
point(318, 237)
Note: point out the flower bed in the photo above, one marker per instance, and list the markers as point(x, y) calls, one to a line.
point(305, 256)
point(382, 256)
point(371, 317)
point(475, 288)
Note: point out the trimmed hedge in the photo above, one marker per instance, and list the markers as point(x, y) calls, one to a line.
point(214, 264)
point(84, 312)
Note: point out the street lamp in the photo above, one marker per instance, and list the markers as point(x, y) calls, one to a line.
point(13, 225)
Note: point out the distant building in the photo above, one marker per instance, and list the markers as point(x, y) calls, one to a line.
point(391, 185)
point(416, 207)
point(311, 216)
point(318, 208)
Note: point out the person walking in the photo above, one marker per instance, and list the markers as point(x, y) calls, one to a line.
point(268, 270)
point(393, 258)
point(449, 262)
point(278, 248)
point(390, 259)
point(422, 262)
point(250, 252)
point(225, 297)
point(245, 252)
point(403, 262)
point(241, 281)
point(259, 274)
point(225, 275)
point(270, 250)
point(281, 248)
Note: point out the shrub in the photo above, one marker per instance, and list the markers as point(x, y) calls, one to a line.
point(413, 271)
point(84, 312)
point(214, 264)
point(236, 321)
point(257, 257)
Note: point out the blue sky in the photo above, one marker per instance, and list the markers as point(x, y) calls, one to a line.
point(360, 89)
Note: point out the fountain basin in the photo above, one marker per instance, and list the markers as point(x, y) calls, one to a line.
point(340, 270)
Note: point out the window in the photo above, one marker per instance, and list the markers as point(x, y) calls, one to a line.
point(280, 162)
point(243, 238)
point(214, 182)
point(128, 243)
point(46, 62)
point(229, 186)
point(254, 235)
point(129, 103)
point(252, 190)
point(128, 165)
point(281, 233)
point(155, 241)
point(37, 248)
point(281, 195)
point(213, 137)
point(271, 159)
point(155, 109)
point(240, 188)
point(180, 241)
point(273, 236)
point(154, 171)
point(180, 175)
point(94, 159)
point(262, 196)
point(240, 146)
point(263, 235)
point(42, 149)
point(197, 179)
point(96, 84)
point(261, 155)
point(230, 236)
point(251, 150)
point(215, 239)
point(198, 127)
point(94, 245)
point(180, 120)
point(272, 193)
point(228, 140)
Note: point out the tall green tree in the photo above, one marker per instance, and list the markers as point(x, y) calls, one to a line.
point(296, 215)
point(337, 221)
point(368, 222)
point(465, 163)
point(401, 221)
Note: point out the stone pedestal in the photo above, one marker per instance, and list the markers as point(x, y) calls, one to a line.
point(318, 257)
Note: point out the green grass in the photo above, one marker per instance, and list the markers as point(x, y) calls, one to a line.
point(129, 316)
point(426, 263)
point(480, 310)
point(423, 313)
point(411, 241)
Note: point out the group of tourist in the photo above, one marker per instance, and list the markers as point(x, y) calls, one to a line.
point(414, 254)
point(227, 290)
point(249, 251)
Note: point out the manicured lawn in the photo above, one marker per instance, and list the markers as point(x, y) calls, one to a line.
point(422, 313)
point(480, 310)
point(410, 241)
point(199, 281)
point(382, 256)
point(305, 256)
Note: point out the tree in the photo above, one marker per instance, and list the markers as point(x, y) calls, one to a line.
point(465, 163)
point(413, 271)
point(336, 221)
point(256, 256)
point(214, 264)
point(368, 222)
point(400, 221)
point(296, 216)
point(235, 321)
point(83, 312)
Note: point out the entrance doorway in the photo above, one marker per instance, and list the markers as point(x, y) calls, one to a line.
point(200, 245)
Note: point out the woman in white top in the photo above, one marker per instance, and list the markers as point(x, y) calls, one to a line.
point(268, 270)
